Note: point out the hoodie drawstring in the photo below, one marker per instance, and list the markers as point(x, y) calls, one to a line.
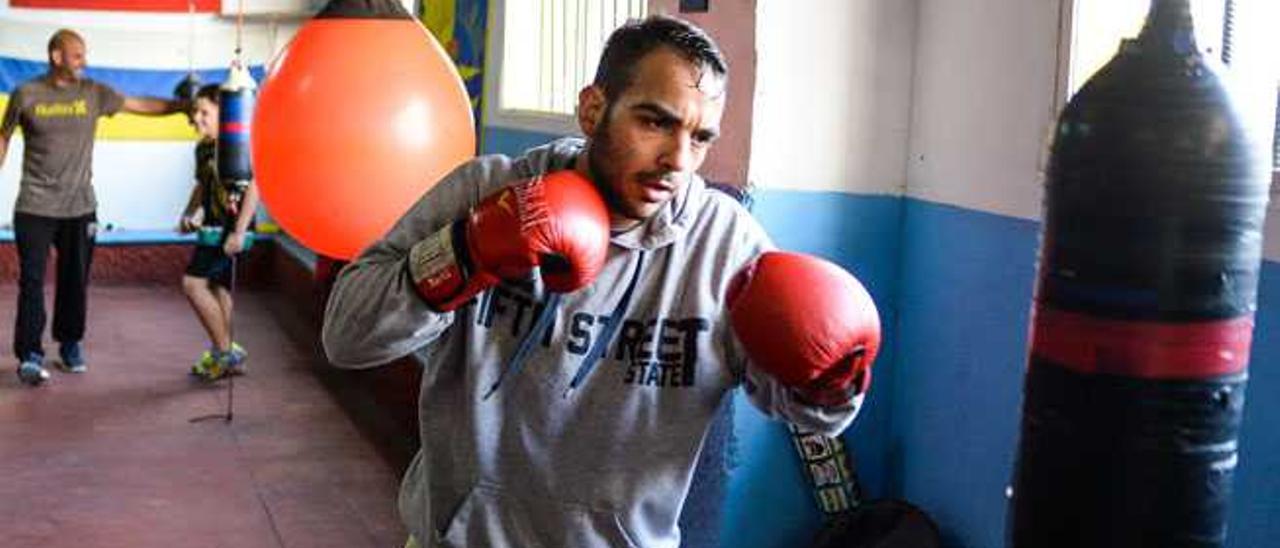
point(606, 333)
point(543, 322)
point(549, 306)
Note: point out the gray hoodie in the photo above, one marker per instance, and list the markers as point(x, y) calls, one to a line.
point(532, 463)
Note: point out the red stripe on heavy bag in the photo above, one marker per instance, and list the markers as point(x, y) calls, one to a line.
point(358, 117)
point(1155, 195)
point(808, 323)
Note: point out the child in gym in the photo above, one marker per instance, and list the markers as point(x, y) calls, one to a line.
point(222, 219)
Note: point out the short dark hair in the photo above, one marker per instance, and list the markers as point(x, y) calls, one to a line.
point(209, 91)
point(61, 37)
point(635, 39)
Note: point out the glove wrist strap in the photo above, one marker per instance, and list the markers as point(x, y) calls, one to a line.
point(438, 266)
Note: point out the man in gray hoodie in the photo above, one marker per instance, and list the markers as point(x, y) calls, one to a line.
point(569, 308)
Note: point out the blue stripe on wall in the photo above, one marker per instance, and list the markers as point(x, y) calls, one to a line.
point(129, 81)
point(769, 502)
point(862, 234)
point(1256, 503)
point(966, 296)
point(498, 140)
point(966, 287)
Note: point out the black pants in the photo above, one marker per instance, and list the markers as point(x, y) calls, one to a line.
point(74, 239)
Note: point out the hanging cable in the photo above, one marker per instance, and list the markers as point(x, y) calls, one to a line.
point(191, 36)
point(239, 29)
point(186, 88)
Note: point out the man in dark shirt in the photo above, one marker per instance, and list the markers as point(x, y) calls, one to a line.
point(58, 113)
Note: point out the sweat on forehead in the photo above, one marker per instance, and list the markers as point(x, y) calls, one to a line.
point(710, 84)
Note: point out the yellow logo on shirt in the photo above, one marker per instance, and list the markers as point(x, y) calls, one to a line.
point(78, 107)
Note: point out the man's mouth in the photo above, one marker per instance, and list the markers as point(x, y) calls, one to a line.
point(657, 188)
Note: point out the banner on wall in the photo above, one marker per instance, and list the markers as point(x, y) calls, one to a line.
point(138, 82)
point(119, 5)
point(459, 25)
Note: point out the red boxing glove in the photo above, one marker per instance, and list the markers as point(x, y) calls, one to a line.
point(808, 323)
point(557, 222)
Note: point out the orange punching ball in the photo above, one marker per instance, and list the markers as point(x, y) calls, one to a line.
point(358, 117)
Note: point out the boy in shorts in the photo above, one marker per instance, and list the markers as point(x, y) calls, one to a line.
point(222, 220)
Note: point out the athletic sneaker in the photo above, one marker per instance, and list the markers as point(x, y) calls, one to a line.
point(241, 353)
point(72, 358)
point(214, 365)
point(202, 365)
point(30, 371)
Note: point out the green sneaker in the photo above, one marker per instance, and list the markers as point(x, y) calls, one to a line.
point(214, 365)
point(237, 365)
point(202, 365)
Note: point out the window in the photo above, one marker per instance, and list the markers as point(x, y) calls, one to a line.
point(544, 51)
point(1098, 26)
point(1240, 33)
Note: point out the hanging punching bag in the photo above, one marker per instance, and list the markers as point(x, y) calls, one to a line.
point(1154, 203)
point(361, 114)
point(235, 114)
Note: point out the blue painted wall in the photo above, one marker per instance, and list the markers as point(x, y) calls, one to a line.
point(769, 503)
point(862, 234)
point(965, 294)
point(967, 280)
point(496, 140)
point(1256, 504)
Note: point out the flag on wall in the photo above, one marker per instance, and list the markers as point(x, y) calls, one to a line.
point(131, 82)
point(459, 25)
point(119, 5)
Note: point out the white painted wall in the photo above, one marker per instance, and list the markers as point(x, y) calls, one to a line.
point(983, 104)
point(139, 184)
point(832, 94)
point(987, 90)
point(132, 40)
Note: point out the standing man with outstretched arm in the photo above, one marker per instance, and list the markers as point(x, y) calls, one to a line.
point(56, 207)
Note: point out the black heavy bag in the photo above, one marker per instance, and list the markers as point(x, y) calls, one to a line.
point(1155, 195)
point(850, 521)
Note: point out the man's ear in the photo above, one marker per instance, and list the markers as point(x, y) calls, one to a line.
point(55, 57)
point(591, 105)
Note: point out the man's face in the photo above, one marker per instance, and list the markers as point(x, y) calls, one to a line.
point(646, 144)
point(69, 60)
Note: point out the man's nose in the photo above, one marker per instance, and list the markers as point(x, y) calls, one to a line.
point(678, 156)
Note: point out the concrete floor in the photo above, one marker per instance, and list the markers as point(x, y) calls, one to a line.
point(111, 459)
